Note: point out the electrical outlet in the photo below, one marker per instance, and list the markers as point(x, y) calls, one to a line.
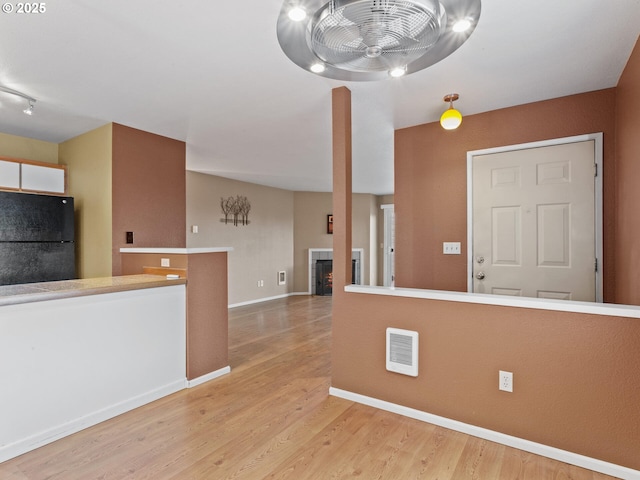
point(165, 262)
point(451, 248)
point(505, 381)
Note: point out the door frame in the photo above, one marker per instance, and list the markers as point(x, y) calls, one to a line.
point(597, 138)
point(388, 246)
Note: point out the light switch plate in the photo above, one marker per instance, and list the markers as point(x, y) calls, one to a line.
point(451, 248)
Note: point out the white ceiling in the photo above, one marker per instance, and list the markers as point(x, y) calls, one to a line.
point(212, 74)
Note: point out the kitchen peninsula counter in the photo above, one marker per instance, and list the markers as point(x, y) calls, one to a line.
point(38, 292)
point(74, 353)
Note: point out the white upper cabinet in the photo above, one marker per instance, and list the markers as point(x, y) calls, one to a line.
point(39, 178)
point(24, 175)
point(9, 175)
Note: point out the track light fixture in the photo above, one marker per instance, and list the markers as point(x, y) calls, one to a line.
point(29, 109)
point(31, 101)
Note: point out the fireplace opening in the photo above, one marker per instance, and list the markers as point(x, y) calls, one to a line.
point(324, 276)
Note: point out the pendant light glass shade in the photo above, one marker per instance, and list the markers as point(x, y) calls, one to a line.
point(451, 118)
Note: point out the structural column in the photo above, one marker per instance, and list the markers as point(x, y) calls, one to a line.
point(341, 117)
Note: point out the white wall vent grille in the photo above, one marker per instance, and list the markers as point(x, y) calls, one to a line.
point(402, 351)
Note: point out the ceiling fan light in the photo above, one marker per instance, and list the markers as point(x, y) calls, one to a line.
point(297, 14)
point(398, 71)
point(461, 25)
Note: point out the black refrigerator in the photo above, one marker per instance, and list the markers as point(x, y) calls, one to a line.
point(36, 238)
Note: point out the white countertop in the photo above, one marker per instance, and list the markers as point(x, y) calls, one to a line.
point(611, 309)
point(177, 251)
point(38, 292)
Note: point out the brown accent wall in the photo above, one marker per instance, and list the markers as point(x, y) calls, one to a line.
point(149, 193)
point(627, 266)
point(576, 382)
point(207, 314)
point(342, 193)
point(431, 181)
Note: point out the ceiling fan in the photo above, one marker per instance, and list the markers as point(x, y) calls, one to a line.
point(363, 40)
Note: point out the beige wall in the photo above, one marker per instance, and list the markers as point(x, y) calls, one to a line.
point(28, 148)
point(261, 249)
point(310, 231)
point(88, 158)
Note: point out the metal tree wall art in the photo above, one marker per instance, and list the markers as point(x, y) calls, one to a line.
point(235, 209)
point(226, 204)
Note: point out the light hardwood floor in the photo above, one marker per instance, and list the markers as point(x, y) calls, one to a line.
point(272, 418)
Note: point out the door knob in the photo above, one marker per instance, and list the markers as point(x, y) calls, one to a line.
point(480, 275)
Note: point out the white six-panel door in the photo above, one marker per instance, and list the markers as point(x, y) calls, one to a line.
point(534, 222)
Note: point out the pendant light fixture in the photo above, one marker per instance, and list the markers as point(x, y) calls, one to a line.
point(360, 40)
point(451, 118)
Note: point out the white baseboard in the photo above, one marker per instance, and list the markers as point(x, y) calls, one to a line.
point(209, 376)
point(266, 299)
point(43, 438)
point(515, 442)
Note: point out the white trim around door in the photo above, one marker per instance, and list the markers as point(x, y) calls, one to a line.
point(597, 138)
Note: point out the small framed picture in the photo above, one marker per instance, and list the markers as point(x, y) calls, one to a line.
point(330, 223)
